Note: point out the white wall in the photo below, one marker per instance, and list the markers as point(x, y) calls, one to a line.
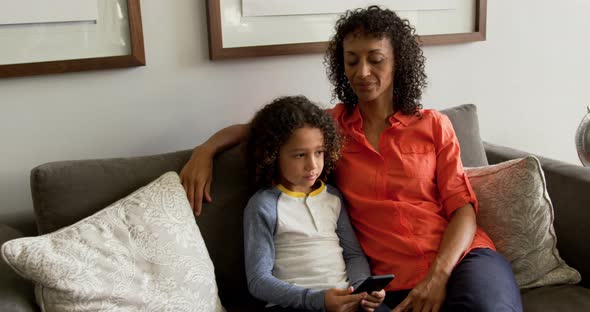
point(529, 80)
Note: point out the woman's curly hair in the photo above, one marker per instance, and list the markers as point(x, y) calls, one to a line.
point(273, 125)
point(409, 75)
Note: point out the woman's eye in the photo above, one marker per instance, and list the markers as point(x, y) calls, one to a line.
point(351, 63)
point(376, 61)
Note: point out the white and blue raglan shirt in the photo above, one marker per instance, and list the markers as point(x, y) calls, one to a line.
point(298, 245)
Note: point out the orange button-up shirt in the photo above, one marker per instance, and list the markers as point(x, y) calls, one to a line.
point(401, 198)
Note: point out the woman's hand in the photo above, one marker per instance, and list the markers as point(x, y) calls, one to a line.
point(342, 300)
point(430, 293)
point(427, 296)
point(195, 176)
point(372, 301)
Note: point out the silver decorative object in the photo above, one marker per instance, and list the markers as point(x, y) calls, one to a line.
point(583, 139)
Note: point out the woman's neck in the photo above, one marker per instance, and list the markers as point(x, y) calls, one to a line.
point(376, 111)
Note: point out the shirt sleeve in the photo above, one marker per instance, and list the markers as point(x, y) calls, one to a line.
point(357, 266)
point(453, 185)
point(260, 218)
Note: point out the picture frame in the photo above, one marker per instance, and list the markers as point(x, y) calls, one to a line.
point(136, 57)
point(217, 51)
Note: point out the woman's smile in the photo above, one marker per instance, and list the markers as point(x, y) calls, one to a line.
point(365, 86)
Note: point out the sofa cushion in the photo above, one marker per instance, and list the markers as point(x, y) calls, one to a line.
point(466, 125)
point(67, 191)
point(221, 223)
point(568, 185)
point(515, 211)
point(16, 293)
point(556, 298)
point(157, 259)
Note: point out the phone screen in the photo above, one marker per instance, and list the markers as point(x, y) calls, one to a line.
point(374, 283)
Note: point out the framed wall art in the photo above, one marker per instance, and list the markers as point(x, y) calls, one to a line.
point(251, 28)
point(58, 36)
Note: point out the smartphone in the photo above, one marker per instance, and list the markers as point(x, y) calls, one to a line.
point(374, 283)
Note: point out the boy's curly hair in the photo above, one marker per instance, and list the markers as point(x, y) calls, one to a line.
point(409, 75)
point(272, 126)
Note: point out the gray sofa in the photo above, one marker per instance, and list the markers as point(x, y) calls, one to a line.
point(65, 192)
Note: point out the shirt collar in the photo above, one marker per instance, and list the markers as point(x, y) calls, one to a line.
point(315, 192)
point(405, 120)
point(349, 120)
point(356, 118)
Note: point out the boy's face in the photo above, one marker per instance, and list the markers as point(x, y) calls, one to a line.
point(301, 159)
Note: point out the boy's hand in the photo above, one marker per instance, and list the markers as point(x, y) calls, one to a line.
point(372, 301)
point(342, 300)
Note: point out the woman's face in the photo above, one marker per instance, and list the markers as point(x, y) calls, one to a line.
point(368, 65)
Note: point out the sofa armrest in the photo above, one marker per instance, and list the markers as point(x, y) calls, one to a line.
point(569, 189)
point(16, 293)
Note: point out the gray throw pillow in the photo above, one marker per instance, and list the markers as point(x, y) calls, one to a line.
point(142, 253)
point(466, 126)
point(516, 212)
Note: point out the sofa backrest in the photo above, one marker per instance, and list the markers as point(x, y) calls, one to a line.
point(68, 191)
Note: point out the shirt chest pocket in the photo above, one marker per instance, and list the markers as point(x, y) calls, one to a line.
point(419, 160)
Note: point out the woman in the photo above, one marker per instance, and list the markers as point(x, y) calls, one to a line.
point(409, 200)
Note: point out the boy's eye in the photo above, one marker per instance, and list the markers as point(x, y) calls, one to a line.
point(299, 155)
point(318, 153)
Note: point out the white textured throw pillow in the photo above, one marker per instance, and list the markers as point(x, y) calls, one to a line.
point(142, 253)
point(516, 212)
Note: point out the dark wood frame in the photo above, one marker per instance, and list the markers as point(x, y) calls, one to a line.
point(217, 51)
point(136, 58)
